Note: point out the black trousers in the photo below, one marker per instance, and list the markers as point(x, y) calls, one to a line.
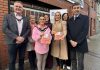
point(32, 59)
point(49, 61)
point(77, 60)
point(67, 62)
point(13, 49)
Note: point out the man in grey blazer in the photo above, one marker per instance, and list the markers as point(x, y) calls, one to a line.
point(16, 29)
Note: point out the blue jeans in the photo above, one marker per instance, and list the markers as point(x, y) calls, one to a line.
point(77, 60)
point(13, 49)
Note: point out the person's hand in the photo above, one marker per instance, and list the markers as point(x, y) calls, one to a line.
point(57, 37)
point(62, 37)
point(18, 42)
point(42, 34)
point(22, 39)
point(53, 32)
point(19, 39)
point(73, 43)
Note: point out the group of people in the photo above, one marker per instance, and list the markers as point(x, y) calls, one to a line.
point(65, 39)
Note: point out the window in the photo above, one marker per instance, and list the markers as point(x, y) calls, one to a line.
point(72, 1)
point(29, 11)
point(79, 1)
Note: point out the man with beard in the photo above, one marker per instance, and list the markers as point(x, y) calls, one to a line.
point(78, 26)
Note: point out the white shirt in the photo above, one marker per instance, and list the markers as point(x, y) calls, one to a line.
point(75, 16)
point(19, 23)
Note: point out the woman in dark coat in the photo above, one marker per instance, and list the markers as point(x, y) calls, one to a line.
point(49, 62)
point(66, 63)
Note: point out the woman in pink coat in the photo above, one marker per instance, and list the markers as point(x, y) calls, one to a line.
point(42, 37)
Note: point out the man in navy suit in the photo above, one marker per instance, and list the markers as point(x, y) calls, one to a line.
point(16, 29)
point(78, 26)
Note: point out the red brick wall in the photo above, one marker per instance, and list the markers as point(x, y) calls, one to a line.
point(58, 3)
point(92, 16)
point(3, 47)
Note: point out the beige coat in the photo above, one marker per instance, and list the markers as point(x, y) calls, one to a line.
point(59, 48)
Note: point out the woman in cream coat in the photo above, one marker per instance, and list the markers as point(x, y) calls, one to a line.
point(59, 47)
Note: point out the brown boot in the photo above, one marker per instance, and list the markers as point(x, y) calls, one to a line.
point(61, 69)
point(58, 68)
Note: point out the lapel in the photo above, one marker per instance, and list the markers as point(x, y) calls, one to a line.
point(72, 20)
point(14, 22)
point(79, 17)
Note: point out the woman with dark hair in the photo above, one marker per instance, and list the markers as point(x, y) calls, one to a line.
point(47, 19)
point(65, 17)
point(66, 63)
point(49, 61)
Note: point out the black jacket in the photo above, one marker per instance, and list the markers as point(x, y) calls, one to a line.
point(77, 31)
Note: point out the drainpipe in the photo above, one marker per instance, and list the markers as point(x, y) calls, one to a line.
point(88, 8)
point(8, 6)
point(89, 20)
point(0, 63)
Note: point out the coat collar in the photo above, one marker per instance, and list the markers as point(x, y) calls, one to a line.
point(13, 14)
point(80, 15)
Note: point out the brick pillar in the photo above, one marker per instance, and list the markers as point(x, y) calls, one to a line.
point(3, 46)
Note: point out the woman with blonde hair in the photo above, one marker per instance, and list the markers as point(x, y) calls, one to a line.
point(59, 48)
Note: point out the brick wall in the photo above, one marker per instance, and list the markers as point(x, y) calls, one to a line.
point(3, 47)
point(58, 3)
point(92, 16)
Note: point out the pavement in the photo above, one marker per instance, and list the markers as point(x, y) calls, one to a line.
point(92, 58)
